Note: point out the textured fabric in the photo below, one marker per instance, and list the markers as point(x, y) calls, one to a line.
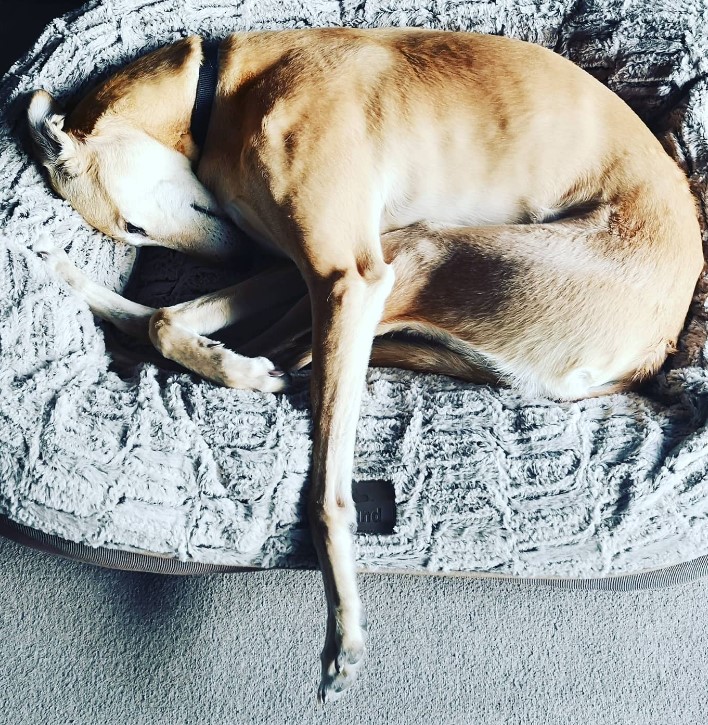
point(485, 480)
point(85, 646)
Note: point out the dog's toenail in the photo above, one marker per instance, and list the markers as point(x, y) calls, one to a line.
point(276, 373)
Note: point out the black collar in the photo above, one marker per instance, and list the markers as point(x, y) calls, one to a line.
point(206, 88)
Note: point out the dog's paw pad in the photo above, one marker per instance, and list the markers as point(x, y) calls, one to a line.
point(334, 684)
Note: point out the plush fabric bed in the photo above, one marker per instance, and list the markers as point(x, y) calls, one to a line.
point(140, 459)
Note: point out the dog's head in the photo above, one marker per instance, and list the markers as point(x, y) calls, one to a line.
point(123, 180)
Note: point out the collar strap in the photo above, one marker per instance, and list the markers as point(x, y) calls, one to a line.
point(206, 89)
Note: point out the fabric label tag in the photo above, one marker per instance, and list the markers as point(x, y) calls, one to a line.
point(375, 503)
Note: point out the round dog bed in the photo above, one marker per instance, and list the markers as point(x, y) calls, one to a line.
point(481, 480)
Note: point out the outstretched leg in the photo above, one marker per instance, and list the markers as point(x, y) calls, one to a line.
point(178, 331)
point(347, 304)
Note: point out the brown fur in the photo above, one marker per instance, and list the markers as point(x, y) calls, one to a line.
point(166, 74)
point(481, 192)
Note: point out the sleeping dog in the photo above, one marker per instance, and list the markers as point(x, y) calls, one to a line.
point(481, 191)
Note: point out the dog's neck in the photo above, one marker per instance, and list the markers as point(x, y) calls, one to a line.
point(206, 90)
point(157, 97)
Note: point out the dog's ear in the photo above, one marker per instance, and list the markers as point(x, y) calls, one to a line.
point(57, 149)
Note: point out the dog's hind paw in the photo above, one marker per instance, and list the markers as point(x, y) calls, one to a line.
point(245, 373)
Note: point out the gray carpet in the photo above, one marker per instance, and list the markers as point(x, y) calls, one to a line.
point(88, 646)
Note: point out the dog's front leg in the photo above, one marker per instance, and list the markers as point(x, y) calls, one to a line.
point(347, 304)
point(128, 316)
point(177, 331)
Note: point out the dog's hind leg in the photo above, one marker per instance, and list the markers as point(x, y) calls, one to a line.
point(292, 326)
point(177, 331)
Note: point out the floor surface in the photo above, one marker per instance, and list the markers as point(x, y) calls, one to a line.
point(92, 647)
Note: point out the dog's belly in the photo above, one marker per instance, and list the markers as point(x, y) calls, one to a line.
point(451, 209)
point(471, 181)
point(462, 189)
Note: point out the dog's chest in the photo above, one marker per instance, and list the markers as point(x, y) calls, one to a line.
point(249, 226)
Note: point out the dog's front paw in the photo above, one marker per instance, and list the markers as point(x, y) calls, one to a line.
point(342, 658)
point(56, 259)
point(45, 248)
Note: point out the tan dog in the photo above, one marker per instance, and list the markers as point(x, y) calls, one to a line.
point(481, 191)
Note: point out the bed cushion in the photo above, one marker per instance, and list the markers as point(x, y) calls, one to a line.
point(141, 459)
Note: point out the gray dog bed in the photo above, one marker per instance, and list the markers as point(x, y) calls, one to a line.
point(157, 462)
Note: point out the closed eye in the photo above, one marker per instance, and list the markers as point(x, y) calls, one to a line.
point(132, 229)
point(204, 210)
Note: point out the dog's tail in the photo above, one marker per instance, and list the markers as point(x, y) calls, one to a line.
point(407, 353)
point(419, 355)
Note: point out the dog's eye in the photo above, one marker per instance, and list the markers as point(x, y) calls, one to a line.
point(132, 229)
